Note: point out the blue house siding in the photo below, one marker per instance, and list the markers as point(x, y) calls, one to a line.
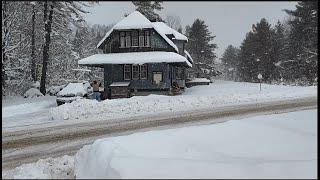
point(114, 73)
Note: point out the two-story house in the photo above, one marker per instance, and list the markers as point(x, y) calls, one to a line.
point(142, 56)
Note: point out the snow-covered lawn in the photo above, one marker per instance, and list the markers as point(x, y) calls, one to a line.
point(269, 146)
point(217, 94)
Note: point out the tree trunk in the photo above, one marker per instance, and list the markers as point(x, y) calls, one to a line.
point(46, 47)
point(33, 63)
point(4, 44)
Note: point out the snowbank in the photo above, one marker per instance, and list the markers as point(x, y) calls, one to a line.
point(32, 93)
point(213, 95)
point(270, 146)
point(51, 168)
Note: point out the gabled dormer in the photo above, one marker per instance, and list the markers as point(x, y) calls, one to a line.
point(135, 33)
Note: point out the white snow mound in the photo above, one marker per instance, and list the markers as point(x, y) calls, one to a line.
point(32, 92)
point(51, 168)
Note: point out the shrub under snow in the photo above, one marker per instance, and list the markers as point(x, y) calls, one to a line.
point(32, 92)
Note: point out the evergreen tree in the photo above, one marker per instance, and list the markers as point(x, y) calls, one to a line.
point(230, 60)
point(257, 53)
point(304, 40)
point(201, 48)
point(247, 62)
point(280, 46)
point(147, 8)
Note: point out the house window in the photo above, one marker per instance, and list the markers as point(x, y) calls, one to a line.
point(135, 38)
point(127, 72)
point(143, 71)
point(157, 77)
point(147, 38)
point(141, 39)
point(122, 39)
point(135, 71)
point(128, 39)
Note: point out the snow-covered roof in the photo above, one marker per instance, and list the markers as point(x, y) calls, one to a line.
point(120, 84)
point(136, 20)
point(188, 55)
point(135, 58)
point(165, 29)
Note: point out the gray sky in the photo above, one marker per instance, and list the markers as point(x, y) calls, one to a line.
point(229, 21)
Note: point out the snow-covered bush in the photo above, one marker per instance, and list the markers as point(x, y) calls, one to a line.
point(36, 85)
point(32, 92)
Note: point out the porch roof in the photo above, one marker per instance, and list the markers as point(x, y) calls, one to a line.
point(135, 58)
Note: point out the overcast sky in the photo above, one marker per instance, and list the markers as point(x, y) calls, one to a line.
point(228, 21)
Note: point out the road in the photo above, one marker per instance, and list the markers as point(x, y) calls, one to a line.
point(25, 146)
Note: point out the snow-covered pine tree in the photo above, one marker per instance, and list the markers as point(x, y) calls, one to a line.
point(230, 60)
point(148, 8)
point(201, 48)
point(257, 53)
point(304, 40)
point(280, 46)
point(247, 58)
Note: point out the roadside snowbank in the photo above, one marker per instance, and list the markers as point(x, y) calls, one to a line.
point(28, 107)
point(216, 94)
point(51, 168)
point(272, 146)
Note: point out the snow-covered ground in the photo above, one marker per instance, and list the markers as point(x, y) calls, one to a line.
point(217, 94)
point(19, 111)
point(268, 146)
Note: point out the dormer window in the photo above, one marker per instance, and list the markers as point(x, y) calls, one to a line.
point(122, 39)
point(128, 39)
point(141, 39)
point(147, 38)
point(135, 39)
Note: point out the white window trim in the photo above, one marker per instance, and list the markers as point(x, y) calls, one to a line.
point(124, 72)
point(128, 37)
point(141, 36)
point(141, 71)
point(124, 40)
point(132, 39)
point(147, 39)
point(137, 71)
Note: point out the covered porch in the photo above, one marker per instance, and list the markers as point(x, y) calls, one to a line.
point(147, 72)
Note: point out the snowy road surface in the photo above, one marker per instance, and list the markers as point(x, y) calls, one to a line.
point(264, 146)
point(28, 145)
